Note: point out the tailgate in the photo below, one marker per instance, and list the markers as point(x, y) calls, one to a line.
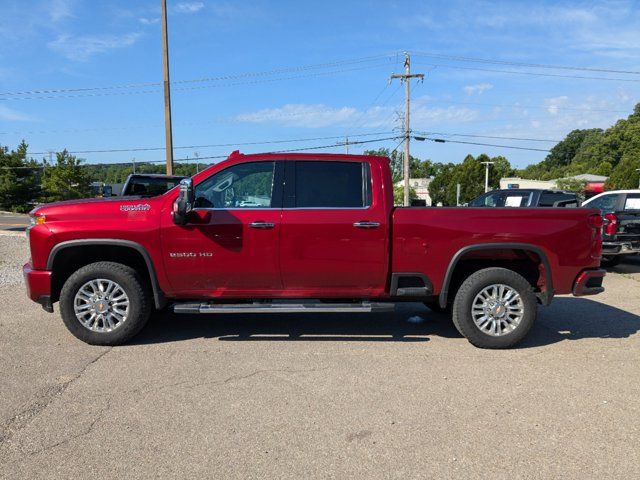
point(629, 228)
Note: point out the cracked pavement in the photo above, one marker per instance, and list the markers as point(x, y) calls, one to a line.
point(324, 396)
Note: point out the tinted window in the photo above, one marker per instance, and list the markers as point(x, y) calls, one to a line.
point(246, 185)
point(606, 203)
point(332, 185)
point(150, 186)
point(549, 199)
point(487, 200)
point(502, 199)
point(632, 202)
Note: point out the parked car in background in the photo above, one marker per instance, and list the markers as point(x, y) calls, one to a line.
point(621, 212)
point(149, 185)
point(526, 197)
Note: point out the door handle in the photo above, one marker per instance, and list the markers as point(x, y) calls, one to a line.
point(365, 224)
point(262, 225)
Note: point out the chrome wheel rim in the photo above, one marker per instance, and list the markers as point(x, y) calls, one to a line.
point(497, 310)
point(101, 305)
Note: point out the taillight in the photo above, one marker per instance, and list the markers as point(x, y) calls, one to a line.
point(611, 224)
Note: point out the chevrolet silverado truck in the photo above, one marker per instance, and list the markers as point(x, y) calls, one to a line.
point(304, 233)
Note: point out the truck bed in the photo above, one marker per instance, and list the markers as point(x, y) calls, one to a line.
point(427, 239)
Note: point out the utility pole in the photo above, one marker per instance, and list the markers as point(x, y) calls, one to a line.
point(638, 170)
point(133, 162)
point(406, 78)
point(486, 175)
point(167, 90)
point(346, 144)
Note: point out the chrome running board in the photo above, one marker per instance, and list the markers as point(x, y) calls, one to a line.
point(363, 307)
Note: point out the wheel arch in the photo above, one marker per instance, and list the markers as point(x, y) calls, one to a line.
point(545, 297)
point(133, 252)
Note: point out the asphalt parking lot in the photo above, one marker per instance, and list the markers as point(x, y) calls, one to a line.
point(322, 396)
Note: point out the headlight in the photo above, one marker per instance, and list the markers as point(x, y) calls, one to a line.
point(33, 221)
point(36, 220)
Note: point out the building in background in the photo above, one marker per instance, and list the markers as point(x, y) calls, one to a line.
point(594, 184)
point(420, 186)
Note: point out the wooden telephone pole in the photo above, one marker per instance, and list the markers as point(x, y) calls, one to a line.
point(167, 90)
point(406, 78)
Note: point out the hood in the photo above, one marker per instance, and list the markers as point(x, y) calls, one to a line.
point(92, 208)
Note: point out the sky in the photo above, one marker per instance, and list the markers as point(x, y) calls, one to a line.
point(86, 75)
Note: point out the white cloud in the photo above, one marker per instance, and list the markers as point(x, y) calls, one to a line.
point(479, 88)
point(13, 116)
point(189, 7)
point(321, 116)
point(81, 48)
point(149, 21)
point(311, 116)
point(554, 103)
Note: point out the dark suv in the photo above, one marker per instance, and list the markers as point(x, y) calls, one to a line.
point(526, 197)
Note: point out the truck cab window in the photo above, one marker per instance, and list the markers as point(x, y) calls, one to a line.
point(246, 185)
point(606, 203)
point(332, 184)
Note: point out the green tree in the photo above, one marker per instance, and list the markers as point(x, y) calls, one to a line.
point(571, 185)
point(66, 179)
point(398, 194)
point(625, 175)
point(19, 179)
point(442, 190)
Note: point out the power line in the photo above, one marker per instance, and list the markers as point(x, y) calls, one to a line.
point(522, 64)
point(536, 74)
point(211, 157)
point(492, 136)
point(442, 140)
point(50, 91)
point(503, 105)
point(184, 89)
point(232, 144)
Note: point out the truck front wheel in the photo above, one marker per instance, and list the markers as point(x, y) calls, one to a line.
point(105, 303)
point(494, 308)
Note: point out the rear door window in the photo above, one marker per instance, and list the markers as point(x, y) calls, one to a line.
point(515, 200)
point(332, 184)
point(632, 201)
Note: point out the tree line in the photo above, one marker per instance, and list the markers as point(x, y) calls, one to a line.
point(614, 152)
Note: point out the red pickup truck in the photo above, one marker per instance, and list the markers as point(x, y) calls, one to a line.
point(304, 233)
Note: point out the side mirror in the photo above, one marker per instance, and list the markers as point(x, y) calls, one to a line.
point(184, 203)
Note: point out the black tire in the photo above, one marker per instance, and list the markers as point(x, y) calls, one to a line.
point(129, 280)
point(472, 286)
point(608, 261)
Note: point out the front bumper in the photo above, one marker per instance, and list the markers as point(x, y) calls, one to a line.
point(620, 248)
point(589, 282)
point(38, 284)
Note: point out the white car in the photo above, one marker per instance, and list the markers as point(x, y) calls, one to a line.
point(621, 232)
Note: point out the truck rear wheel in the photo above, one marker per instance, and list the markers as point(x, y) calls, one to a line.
point(494, 308)
point(105, 303)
